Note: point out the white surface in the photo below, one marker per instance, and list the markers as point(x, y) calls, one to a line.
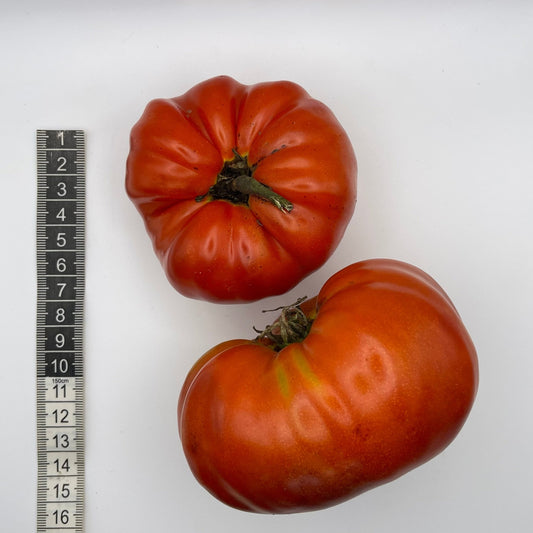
point(437, 99)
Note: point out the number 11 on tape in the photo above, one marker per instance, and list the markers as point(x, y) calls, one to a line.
point(60, 303)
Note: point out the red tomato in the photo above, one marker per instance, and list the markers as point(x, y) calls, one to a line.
point(368, 380)
point(244, 190)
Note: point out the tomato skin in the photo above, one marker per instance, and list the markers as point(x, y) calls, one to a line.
point(382, 383)
point(218, 250)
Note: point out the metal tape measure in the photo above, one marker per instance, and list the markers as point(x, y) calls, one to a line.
point(60, 305)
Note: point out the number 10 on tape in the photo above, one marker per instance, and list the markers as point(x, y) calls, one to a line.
point(60, 302)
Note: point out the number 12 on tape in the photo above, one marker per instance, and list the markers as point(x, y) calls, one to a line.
point(60, 303)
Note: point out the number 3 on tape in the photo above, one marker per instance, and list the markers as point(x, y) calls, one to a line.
point(60, 302)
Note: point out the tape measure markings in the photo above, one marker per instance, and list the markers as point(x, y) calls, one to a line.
point(60, 306)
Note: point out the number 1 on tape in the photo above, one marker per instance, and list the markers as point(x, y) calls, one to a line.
point(60, 302)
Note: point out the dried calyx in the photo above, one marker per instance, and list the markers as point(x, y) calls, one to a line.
point(293, 325)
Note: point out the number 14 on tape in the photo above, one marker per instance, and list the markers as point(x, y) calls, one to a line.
point(60, 302)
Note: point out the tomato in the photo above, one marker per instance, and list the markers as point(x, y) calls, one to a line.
point(244, 190)
point(366, 381)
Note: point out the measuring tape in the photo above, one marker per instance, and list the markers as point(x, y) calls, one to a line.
point(60, 302)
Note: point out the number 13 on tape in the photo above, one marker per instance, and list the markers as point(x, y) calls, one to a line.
point(60, 302)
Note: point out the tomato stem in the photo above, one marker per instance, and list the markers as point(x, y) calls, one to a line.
point(235, 183)
point(249, 185)
point(293, 325)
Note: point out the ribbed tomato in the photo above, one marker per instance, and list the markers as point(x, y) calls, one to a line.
point(345, 392)
point(244, 190)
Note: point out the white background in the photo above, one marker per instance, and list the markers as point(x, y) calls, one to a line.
point(437, 98)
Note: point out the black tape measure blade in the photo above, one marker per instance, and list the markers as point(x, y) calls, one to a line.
point(60, 315)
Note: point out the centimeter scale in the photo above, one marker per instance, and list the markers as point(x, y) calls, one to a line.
point(60, 302)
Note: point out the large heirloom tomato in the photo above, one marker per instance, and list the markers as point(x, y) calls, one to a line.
point(364, 382)
point(244, 190)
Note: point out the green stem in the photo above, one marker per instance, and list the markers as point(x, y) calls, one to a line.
point(235, 183)
point(248, 185)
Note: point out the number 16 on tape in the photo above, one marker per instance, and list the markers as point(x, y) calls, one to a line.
point(60, 303)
